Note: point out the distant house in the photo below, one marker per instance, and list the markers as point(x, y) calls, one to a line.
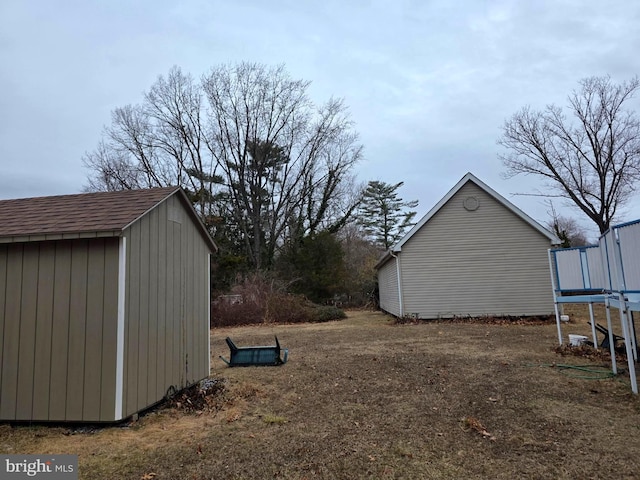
point(104, 303)
point(473, 254)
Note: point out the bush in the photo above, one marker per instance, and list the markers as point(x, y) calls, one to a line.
point(224, 314)
point(326, 313)
point(288, 308)
point(257, 300)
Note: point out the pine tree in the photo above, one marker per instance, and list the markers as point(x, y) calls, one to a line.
point(383, 214)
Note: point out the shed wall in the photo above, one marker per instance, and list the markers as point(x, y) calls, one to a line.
point(482, 262)
point(58, 312)
point(388, 288)
point(167, 329)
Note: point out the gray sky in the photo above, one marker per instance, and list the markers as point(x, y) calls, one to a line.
point(429, 83)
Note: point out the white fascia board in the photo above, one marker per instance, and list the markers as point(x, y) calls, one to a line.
point(122, 275)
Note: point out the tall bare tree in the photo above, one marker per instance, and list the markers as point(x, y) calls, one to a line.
point(281, 157)
point(591, 159)
point(259, 159)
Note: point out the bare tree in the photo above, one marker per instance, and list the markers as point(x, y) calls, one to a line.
point(260, 161)
point(567, 229)
point(282, 158)
point(593, 160)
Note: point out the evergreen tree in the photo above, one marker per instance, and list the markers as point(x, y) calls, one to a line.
point(383, 214)
point(315, 266)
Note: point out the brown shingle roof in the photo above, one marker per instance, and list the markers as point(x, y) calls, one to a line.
point(80, 213)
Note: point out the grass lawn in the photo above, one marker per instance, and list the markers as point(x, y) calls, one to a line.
point(364, 398)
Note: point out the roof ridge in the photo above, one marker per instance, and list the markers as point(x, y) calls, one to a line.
point(98, 192)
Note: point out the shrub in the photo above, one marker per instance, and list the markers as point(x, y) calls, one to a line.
point(326, 313)
point(257, 299)
point(288, 308)
point(224, 314)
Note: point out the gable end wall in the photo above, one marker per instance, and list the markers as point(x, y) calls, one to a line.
point(166, 327)
point(474, 263)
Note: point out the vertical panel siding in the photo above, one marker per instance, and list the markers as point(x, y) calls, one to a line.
point(53, 314)
point(189, 308)
point(167, 329)
point(482, 262)
point(60, 332)
point(44, 321)
point(143, 314)
point(152, 352)
point(77, 327)
point(93, 330)
point(388, 287)
point(169, 311)
point(162, 352)
point(26, 355)
point(3, 292)
point(109, 332)
point(176, 331)
point(11, 333)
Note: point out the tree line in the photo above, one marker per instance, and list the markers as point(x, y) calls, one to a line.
point(272, 174)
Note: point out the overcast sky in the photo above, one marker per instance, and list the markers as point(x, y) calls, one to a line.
point(429, 84)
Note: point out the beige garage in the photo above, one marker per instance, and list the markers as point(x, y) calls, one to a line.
point(473, 254)
point(104, 303)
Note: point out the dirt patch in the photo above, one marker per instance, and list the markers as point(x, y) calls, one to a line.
point(365, 398)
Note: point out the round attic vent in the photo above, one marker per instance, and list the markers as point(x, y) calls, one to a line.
point(471, 203)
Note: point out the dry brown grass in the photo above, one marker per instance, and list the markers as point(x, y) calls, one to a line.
point(363, 398)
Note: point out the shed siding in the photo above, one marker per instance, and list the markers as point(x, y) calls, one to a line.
point(53, 357)
point(44, 325)
point(3, 289)
point(388, 288)
point(482, 262)
point(167, 331)
point(12, 300)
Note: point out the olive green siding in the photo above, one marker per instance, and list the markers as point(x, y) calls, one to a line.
point(487, 261)
point(166, 321)
point(388, 288)
point(57, 325)
point(97, 328)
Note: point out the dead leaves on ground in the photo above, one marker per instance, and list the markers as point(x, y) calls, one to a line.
point(205, 396)
point(589, 352)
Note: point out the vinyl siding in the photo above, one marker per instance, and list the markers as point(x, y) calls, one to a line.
point(167, 331)
point(473, 263)
point(55, 359)
point(388, 288)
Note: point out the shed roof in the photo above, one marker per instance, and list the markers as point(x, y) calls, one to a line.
point(81, 215)
point(469, 177)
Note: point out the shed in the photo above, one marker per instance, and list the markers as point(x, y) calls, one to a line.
point(104, 303)
point(473, 254)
